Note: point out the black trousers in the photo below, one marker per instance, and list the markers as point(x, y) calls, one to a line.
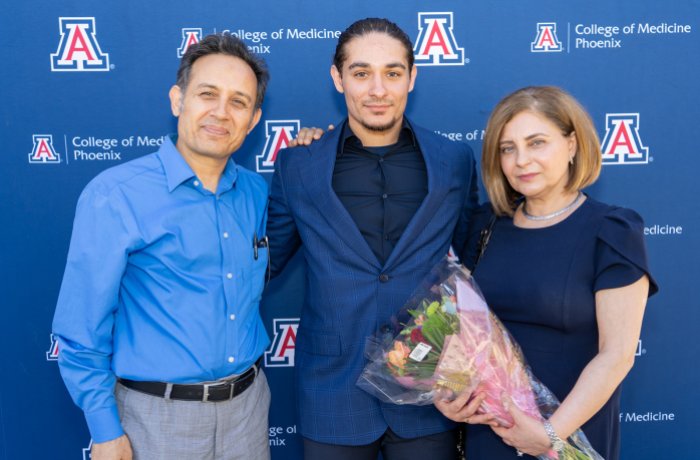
point(440, 446)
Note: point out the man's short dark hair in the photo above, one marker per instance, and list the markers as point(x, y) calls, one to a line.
point(229, 45)
point(367, 26)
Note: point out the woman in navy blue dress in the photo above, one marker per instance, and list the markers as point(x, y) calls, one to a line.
point(566, 274)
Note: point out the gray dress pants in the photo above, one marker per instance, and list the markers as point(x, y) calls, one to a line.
point(160, 428)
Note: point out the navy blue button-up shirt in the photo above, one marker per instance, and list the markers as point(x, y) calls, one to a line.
point(161, 281)
point(381, 187)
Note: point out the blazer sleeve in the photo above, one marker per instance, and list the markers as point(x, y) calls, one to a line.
point(471, 201)
point(282, 231)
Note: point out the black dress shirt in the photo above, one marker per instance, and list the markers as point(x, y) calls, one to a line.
point(381, 187)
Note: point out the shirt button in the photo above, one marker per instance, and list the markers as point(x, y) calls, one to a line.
point(225, 234)
point(383, 277)
point(231, 359)
point(386, 237)
point(381, 159)
point(229, 275)
point(232, 317)
point(385, 196)
point(196, 183)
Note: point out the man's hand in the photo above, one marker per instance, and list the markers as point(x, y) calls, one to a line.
point(116, 449)
point(307, 135)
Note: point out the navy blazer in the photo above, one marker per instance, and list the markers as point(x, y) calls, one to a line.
point(349, 294)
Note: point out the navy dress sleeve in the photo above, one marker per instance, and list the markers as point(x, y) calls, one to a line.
point(621, 256)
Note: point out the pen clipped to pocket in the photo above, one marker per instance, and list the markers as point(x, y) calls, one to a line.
point(259, 243)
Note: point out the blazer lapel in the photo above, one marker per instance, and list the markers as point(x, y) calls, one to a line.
point(438, 174)
point(316, 176)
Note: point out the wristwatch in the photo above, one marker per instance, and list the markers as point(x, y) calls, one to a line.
point(557, 443)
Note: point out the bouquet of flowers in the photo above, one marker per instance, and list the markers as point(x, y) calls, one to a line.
point(449, 338)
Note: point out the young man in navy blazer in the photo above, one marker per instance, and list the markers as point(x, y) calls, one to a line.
point(374, 205)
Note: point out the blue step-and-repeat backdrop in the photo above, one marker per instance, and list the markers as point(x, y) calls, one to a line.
point(84, 87)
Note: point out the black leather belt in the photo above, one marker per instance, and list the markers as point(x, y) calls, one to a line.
point(202, 392)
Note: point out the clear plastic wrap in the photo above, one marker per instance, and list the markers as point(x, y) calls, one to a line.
point(447, 337)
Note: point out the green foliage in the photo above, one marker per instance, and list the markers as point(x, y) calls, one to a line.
point(436, 325)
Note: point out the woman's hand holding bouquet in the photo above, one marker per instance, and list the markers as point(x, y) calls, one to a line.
point(451, 343)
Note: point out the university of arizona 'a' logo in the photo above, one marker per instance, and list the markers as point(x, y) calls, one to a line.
point(279, 133)
point(87, 451)
point(78, 49)
point(281, 352)
point(436, 44)
point(189, 37)
point(43, 151)
point(622, 144)
point(546, 40)
point(52, 353)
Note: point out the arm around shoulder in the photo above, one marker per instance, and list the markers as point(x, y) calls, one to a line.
point(281, 227)
point(470, 203)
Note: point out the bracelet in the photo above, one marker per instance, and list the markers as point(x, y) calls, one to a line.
point(557, 443)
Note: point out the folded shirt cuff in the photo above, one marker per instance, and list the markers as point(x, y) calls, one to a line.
point(104, 424)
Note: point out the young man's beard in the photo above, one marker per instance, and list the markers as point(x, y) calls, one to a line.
point(379, 128)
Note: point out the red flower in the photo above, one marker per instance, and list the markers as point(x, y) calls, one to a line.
point(417, 336)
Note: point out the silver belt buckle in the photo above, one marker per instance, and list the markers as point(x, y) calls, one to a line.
point(205, 396)
point(206, 386)
point(231, 382)
point(230, 393)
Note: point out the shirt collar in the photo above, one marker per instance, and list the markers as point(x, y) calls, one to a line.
point(229, 176)
point(178, 171)
point(347, 135)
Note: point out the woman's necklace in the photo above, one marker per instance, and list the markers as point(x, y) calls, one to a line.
point(555, 213)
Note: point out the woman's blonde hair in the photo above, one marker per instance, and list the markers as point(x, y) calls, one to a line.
point(564, 111)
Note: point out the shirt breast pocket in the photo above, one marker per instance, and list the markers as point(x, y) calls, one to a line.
point(257, 274)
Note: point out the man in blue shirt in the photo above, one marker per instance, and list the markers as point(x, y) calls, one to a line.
point(157, 319)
